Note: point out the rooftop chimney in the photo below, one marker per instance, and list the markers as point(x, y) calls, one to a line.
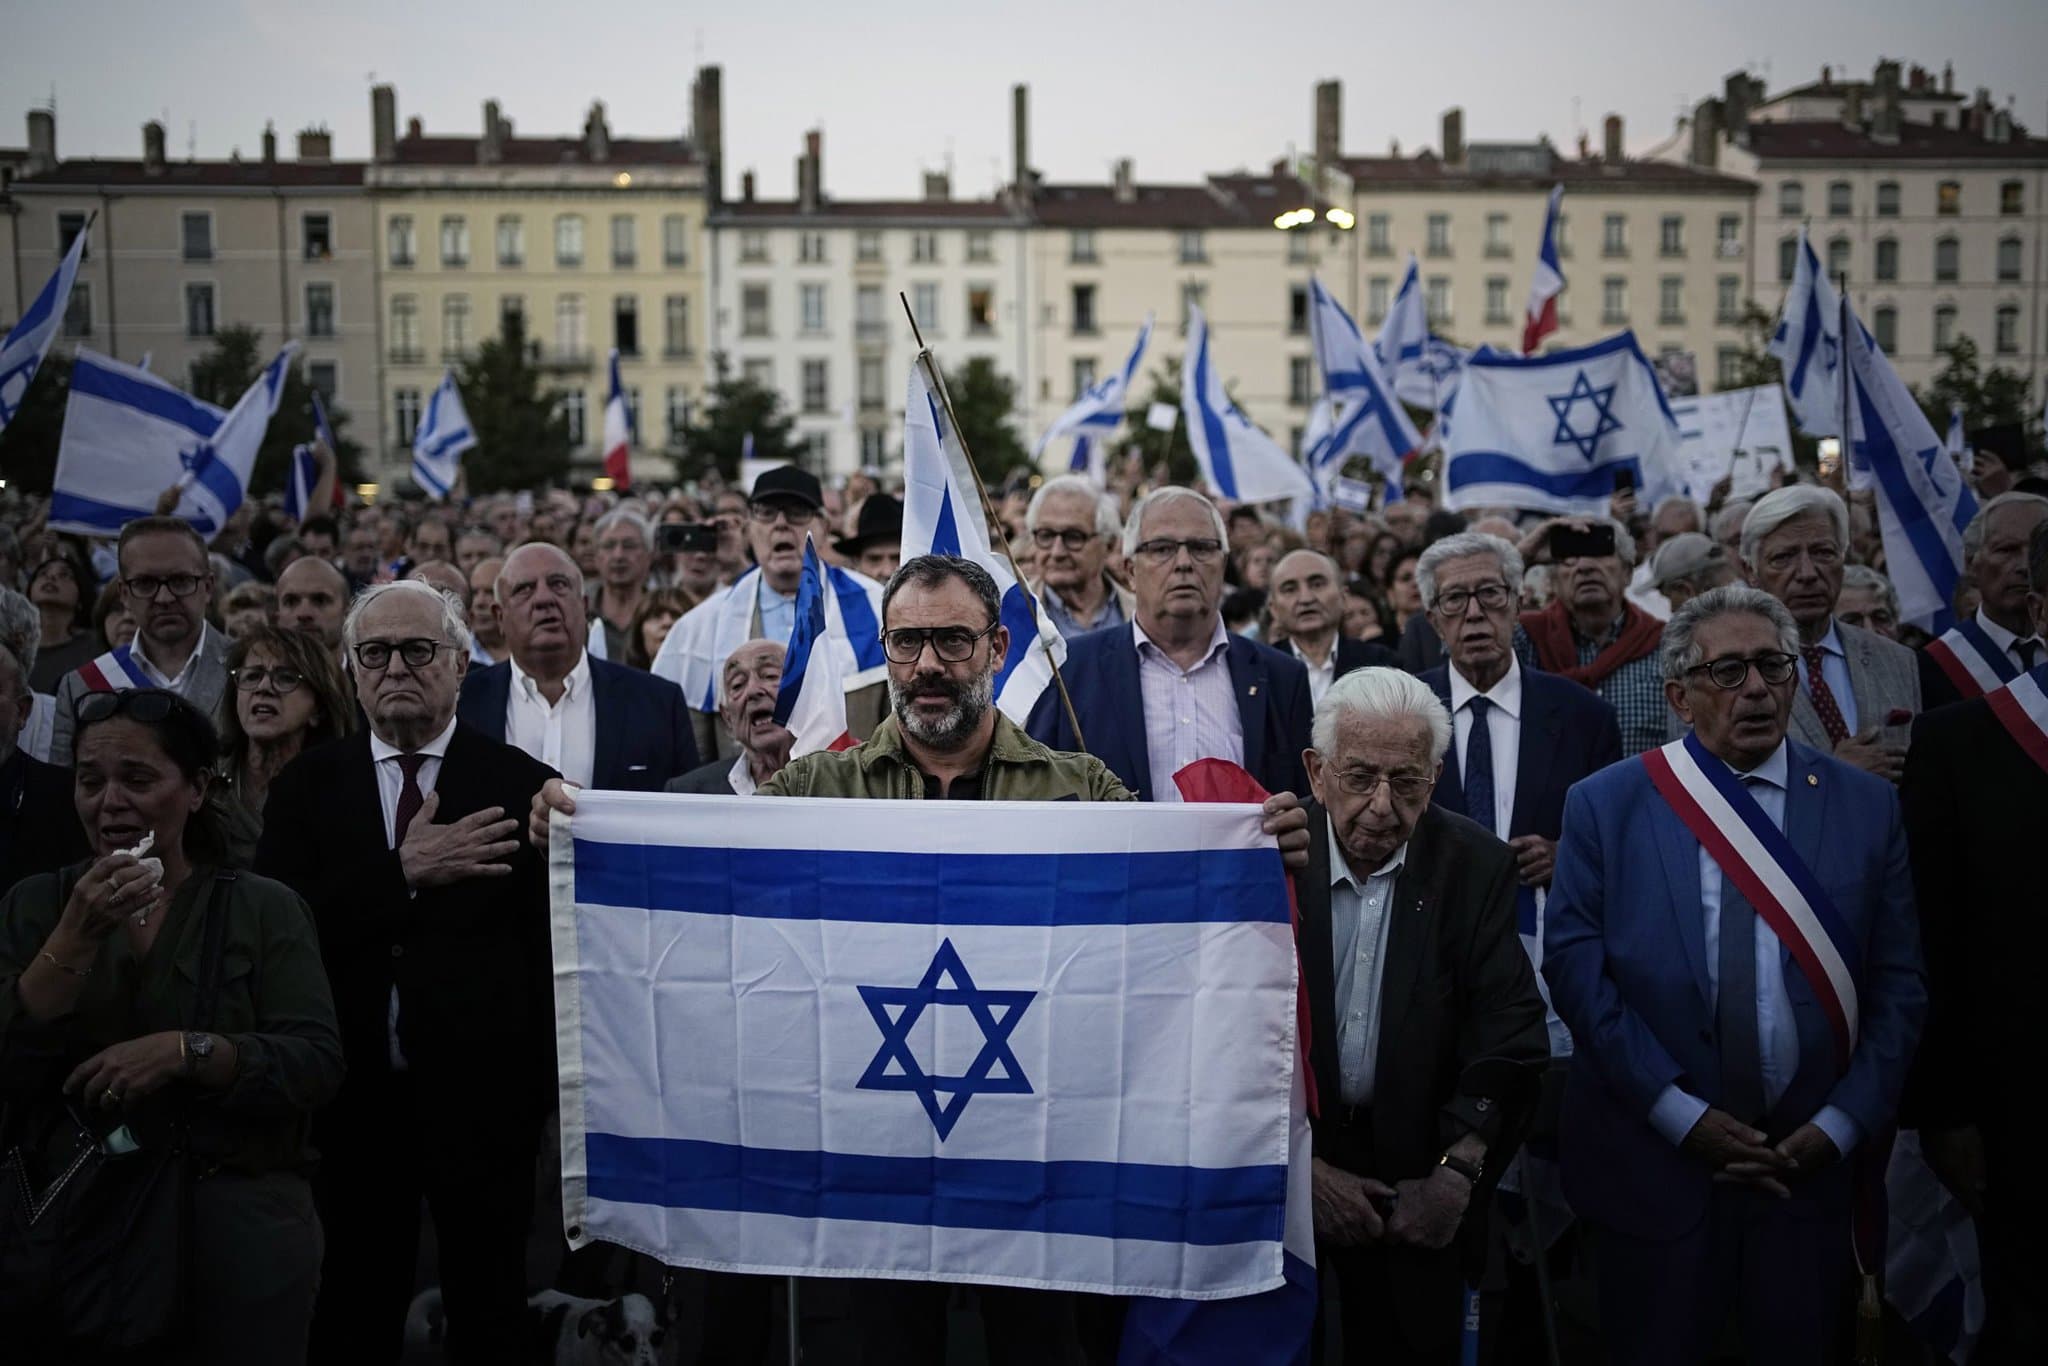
point(597, 136)
point(1706, 134)
point(746, 187)
point(153, 147)
point(1948, 78)
point(490, 149)
point(384, 122)
point(1827, 75)
point(1454, 137)
point(316, 144)
point(413, 127)
point(1852, 107)
point(810, 172)
point(1329, 122)
point(1610, 147)
point(938, 187)
point(1020, 139)
point(1126, 183)
point(42, 142)
point(1884, 120)
point(1740, 93)
point(707, 130)
point(269, 143)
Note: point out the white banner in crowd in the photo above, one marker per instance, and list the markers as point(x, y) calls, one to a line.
point(1739, 434)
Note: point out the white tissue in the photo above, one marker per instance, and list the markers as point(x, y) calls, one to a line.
point(155, 865)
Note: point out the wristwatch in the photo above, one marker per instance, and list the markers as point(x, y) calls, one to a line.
point(1471, 1171)
point(197, 1048)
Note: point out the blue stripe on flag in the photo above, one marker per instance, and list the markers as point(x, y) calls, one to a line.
point(69, 507)
point(1212, 426)
point(1022, 622)
point(429, 480)
point(891, 887)
point(1205, 1206)
point(1498, 467)
point(212, 474)
point(167, 405)
point(857, 616)
point(1912, 515)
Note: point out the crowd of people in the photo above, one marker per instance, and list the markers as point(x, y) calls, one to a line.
point(1556, 1044)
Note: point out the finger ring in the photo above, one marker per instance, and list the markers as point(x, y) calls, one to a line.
point(111, 1096)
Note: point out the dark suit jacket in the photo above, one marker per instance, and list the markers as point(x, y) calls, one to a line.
point(713, 779)
point(643, 725)
point(1363, 654)
point(39, 829)
point(1421, 647)
point(1456, 988)
point(1974, 806)
point(1102, 677)
point(471, 960)
point(1568, 733)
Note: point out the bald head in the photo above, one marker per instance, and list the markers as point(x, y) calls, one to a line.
point(445, 577)
point(1307, 598)
point(312, 597)
point(540, 604)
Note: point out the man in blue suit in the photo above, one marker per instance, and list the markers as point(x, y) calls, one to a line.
point(598, 724)
point(1173, 686)
point(1717, 1088)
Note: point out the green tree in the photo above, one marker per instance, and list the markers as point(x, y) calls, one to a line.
point(734, 408)
point(1989, 398)
point(984, 400)
point(522, 434)
point(224, 374)
point(28, 445)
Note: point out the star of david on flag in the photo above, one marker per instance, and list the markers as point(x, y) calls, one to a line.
point(1602, 417)
point(995, 1012)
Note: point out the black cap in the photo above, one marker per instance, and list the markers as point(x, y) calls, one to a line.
point(789, 481)
point(881, 520)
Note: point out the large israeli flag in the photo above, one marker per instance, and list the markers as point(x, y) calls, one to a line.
point(1096, 415)
point(129, 436)
point(1045, 1044)
point(443, 435)
point(1551, 432)
point(1366, 419)
point(28, 341)
point(942, 515)
point(1237, 460)
point(1808, 345)
point(1923, 504)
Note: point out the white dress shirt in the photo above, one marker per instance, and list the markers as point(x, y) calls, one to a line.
point(2005, 640)
point(1777, 1032)
point(391, 782)
point(561, 734)
point(741, 777)
point(156, 675)
point(1190, 714)
point(1358, 946)
point(1320, 676)
point(1503, 729)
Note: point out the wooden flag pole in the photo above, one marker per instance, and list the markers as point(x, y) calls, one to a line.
point(988, 509)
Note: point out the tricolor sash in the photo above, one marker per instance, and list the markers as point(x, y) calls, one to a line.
point(2021, 706)
point(114, 671)
point(1971, 659)
point(1755, 855)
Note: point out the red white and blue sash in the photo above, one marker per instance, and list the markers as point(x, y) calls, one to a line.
point(1755, 855)
point(115, 671)
point(2021, 706)
point(1972, 659)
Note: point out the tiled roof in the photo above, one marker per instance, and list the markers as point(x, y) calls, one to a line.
point(1148, 206)
point(566, 151)
point(1832, 140)
point(200, 175)
point(1425, 171)
point(869, 210)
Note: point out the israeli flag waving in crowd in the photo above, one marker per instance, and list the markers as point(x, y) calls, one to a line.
point(1922, 502)
point(1097, 414)
point(304, 475)
point(28, 341)
point(1237, 460)
point(811, 702)
point(1551, 432)
point(1365, 418)
point(129, 436)
point(1424, 368)
point(1808, 344)
point(942, 515)
point(443, 435)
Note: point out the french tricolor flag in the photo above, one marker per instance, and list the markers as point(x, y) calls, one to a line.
point(1548, 283)
point(618, 432)
point(812, 700)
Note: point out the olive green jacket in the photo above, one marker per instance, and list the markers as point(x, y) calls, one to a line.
point(1018, 769)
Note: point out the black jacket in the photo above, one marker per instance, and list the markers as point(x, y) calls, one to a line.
point(643, 736)
point(713, 779)
point(39, 829)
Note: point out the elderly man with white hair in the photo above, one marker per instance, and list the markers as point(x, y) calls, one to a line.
point(1426, 1026)
point(1998, 642)
point(1074, 528)
point(1857, 691)
point(625, 556)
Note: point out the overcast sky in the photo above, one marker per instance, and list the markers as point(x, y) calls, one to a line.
point(1185, 87)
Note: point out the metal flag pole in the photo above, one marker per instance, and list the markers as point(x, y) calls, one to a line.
point(1842, 363)
point(988, 509)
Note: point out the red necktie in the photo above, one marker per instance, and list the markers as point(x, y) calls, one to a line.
point(409, 796)
point(1824, 704)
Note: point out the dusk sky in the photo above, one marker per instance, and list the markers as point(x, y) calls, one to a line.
point(1184, 88)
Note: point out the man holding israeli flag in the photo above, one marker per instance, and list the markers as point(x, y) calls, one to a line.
point(1365, 418)
point(28, 341)
point(443, 435)
point(1237, 460)
point(1097, 414)
point(1808, 345)
point(1553, 432)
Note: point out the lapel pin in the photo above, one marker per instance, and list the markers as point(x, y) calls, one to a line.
point(1812, 780)
point(1252, 691)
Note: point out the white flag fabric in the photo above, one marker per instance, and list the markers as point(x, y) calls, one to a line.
point(1366, 419)
point(811, 702)
point(129, 435)
point(1095, 416)
point(618, 430)
point(1237, 460)
point(1546, 283)
point(1403, 342)
point(1551, 432)
point(1047, 1044)
point(443, 435)
point(1808, 344)
point(1959, 440)
point(693, 656)
point(28, 341)
point(1738, 434)
point(942, 515)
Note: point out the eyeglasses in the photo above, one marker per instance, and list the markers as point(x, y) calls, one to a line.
point(417, 653)
point(1206, 550)
point(254, 676)
point(952, 644)
point(796, 514)
point(1732, 673)
point(147, 586)
point(1073, 538)
point(1403, 787)
point(1453, 602)
point(147, 705)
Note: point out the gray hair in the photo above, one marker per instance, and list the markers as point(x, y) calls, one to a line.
point(1160, 497)
point(1458, 547)
point(21, 627)
point(453, 627)
point(1980, 525)
point(1679, 500)
point(22, 691)
point(574, 568)
point(1729, 519)
point(1107, 522)
point(1624, 540)
point(1864, 577)
point(626, 516)
point(1381, 695)
point(1680, 651)
point(1780, 506)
